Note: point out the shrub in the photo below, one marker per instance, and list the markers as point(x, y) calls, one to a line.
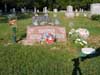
point(3, 19)
point(24, 15)
point(95, 17)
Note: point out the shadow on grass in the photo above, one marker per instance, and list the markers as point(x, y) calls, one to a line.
point(76, 69)
point(21, 37)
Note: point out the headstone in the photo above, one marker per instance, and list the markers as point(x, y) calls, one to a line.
point(77, 13)
point(95, 9)
point(35, 20)
point(5, 8)
point(38, 11)
point(40, 20)
point(45, 10)
point(56, 20)
point(14, 10)
point(22, 10)
point(80, 10)
point(55, 12)
point(85, 15)
point(69, 13)
point(36, 33)
point(76, 10)
point(34, 10)
point(0, 12)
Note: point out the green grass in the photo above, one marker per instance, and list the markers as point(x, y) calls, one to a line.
point(56, 59)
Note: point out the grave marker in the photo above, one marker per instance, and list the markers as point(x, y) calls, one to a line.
point(95, 9)
point(35, 33)
point(69, 13)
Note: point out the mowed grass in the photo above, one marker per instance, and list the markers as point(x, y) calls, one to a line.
point(55, 59)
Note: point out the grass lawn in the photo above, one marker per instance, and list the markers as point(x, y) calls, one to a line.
point(55, 59)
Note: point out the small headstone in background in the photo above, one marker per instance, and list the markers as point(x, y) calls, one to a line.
point(35, 10)
point(85, 15)
point(22, 10)
point(82, 10)
point(38, 11)
point(56, 20)
point(69, 13)
point(95, 9)
point(45, 10)
point(14, 10)
point(76, 12)
point(35, 20)
point(55, 12)
point(0, 12)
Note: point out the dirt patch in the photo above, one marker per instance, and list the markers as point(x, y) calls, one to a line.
point(94, 40)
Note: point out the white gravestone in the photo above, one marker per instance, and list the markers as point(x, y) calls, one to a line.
point(95, 9)
point(76, 10)
point(0, 12)
point(85, 14)
point(45, 10)
point(77, 13)
point(69, 13)
point(38, 11)
point(14, 10)
point(55, 12)
point(35, 20)
point(35, 10)
point(22, 10)
point(82, 10)
point(56, 20)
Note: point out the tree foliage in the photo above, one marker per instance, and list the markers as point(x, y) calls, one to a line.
point(60, 4)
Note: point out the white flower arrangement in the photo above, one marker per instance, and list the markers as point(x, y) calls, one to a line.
point(71, 32)
point(81, 42)
point(83, 33)
point(73, 35)
point(79, 36)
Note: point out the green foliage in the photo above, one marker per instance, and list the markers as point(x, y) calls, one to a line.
point(95, 17)
point(60, 4)
point(24, 15)
point(3, 19)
